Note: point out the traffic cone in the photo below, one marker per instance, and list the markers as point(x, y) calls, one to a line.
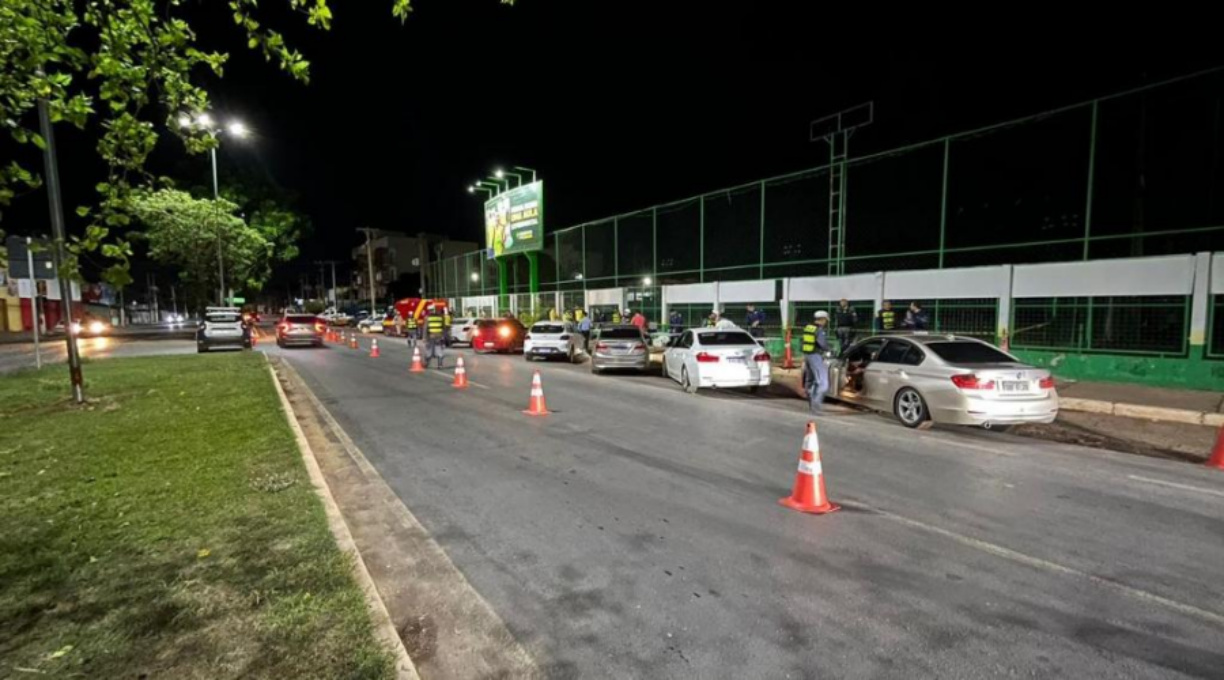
point(788, 358)
point(460, 376)
point(353, 341)
point(1217, 453)
point(374, 350)
point(416, 361)
point(536, 406)
point(809, 493)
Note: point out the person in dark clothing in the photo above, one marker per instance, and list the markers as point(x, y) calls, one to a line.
point(886, 318)
point(755, 320)
point(847, 324)
point(675, 322)
point(916, 318)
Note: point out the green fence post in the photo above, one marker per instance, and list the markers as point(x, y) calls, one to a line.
point(943, 203)
point(701, 240)
point(761, 252)
point(1091, 178)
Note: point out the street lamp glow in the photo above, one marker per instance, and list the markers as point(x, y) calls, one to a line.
point(471, 190)
point(578, 277)
point(499, 173)
point(646, 281)
point(184, 121)
point(238, 129)
point(204, 120)
point(475, 277)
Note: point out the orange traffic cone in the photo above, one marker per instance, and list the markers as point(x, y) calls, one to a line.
point(1217, 453)
point(536, 406)
point(374, 350)
point(788, 358)
point(809, 493)
point(353, 341)
point(416, 361)
point(460, 376)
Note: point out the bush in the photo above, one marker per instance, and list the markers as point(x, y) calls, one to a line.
point(315, 306)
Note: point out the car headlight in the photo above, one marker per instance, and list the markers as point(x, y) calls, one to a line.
point(75, 328)
point(96, 327)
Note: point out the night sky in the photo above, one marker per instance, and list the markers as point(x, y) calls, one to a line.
point(618, 105)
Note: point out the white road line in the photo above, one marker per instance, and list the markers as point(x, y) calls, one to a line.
point(1038, 563)
point(1175, 485)
point(446, 376)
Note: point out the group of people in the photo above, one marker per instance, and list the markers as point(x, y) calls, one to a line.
point(754, 321)
point(433, 329)
point(816, 348)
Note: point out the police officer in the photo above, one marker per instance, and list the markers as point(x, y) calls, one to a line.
point(616, 316)
point(815, 370)
point(568, 316)
point(847, 324)
point(410, 328)
point(675, 322)
point(435, 337)
point(755, 321)
point(886, 318)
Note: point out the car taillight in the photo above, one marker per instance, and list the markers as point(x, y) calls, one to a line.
point(706, 358)
point(638, 348)
point(1046, 383)
point(970, 381)
point(319, 328)
point(600, 347)
point(761, 356)
point(504, 331)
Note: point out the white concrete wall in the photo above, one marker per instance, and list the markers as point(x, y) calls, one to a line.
point(823, 288)
point(1168, 275)
point(970, 282)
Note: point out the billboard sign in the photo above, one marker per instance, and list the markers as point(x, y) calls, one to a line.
point(514, 220)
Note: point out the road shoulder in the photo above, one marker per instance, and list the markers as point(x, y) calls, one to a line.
point(442, 623)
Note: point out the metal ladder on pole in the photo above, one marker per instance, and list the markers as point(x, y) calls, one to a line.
point(837, 202)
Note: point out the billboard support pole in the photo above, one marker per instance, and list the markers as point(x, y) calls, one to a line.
point(503, 284)
point(533, 269)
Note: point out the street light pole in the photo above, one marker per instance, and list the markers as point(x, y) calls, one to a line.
point(370, 262)
point(51, 168)
point(34, 302)
point(216, 207)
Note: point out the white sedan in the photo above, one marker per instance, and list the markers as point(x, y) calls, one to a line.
point(709, 357)
point(552, 339)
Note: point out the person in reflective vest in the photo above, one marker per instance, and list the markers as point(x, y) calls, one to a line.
point(886, 318)
point(435, 338)
point(616, 316)
point(410, 329)
point(568, 316)
point(815, 370)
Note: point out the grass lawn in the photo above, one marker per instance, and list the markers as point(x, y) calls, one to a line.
point(168, 530)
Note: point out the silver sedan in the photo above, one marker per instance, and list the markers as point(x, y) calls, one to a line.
point(943, 379)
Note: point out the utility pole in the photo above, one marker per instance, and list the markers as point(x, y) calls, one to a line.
point(423, 254)
point(333, 297)
point(370, 262)
point(51, 169)
point(174, 301)
point(34, 302)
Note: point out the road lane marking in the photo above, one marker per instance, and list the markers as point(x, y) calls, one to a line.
point(1175, 485)
point(444, 376)
point(1038, 563)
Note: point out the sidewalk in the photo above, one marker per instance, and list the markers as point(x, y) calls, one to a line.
point(1191, 407)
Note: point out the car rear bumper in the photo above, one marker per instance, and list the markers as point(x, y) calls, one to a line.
point(973, 411)
point(742, 377)
point(300, 340)
point(637, 361)
point(547, 350)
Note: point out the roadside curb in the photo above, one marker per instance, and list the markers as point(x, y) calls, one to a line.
point(384, 628)
point(1153, 413)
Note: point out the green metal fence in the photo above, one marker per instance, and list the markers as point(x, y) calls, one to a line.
point(1137, 173)
point(1150, 325)
point(1215, 328)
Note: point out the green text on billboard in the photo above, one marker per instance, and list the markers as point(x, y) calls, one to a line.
point(514, 220)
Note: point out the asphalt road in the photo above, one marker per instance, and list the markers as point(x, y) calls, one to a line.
point(636, 532)
point(55, 351)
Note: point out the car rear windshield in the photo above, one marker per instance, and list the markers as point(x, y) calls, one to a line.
point(620, 334)
point(223, 317)
point(486, 323)
point(969, 353)
point(548, 328)
point(301, 319)
point(725, 338)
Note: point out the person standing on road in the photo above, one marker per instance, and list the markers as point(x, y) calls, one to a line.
point(638, 319)
point(916, 318)
point(616, 317)
point(412, 328)
point(847, 324)
point(584, 327)
point(886, 318)
point(815, 370)
point(675, 322)
point(435, 337)
point(755, 321)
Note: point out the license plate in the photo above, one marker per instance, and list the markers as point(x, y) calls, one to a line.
point(545, 350)
point(737, 360)
point(489, 344)
point(1013, 386)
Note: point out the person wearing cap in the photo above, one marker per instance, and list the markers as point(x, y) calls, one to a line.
point(815, 370)
point(719, 322)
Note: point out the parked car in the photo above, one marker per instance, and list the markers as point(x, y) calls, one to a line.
point(498, 335)
point(619, 347)
point(461, 330)
point(944, 379)
point(300, 329)
point(710, 357)
point(222, 327)
point(553, 339)
point(370, 325)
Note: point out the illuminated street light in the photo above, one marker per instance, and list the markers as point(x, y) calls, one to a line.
point(471, 190)
point(578, 276)
point(184, 121)
point(238, 129)
point(499, 173)
point(204, 120)
point(647, 281)
point(475, 277)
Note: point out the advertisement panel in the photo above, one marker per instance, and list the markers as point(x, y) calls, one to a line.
point(514, 220)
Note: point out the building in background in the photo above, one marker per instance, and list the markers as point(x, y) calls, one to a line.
point(22, 288)
point(397, 260)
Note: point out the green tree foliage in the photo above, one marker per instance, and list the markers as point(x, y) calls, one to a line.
point(132, 67)
point(185, 232)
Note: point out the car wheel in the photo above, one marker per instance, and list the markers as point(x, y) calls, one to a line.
point(280, 343)
point(200, 349)
point(910, 408)
point(686, 383)
point(594, 370)
point(528, 357)
point(753, 389)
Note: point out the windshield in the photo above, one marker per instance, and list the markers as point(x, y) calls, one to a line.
point(725, 338)
point(963, 352)
point(548, 328)
point(223, 317)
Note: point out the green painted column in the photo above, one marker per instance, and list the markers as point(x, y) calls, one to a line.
point(533, 269)
point(503, 285)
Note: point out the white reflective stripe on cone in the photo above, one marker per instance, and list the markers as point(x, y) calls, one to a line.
point(813, 468)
